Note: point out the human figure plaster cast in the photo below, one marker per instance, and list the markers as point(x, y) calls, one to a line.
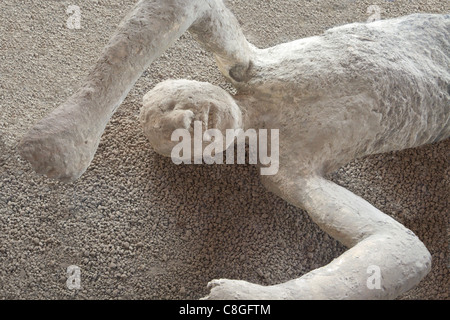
point(356, 90)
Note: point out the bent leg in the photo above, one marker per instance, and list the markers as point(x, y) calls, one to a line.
point(63, 144)
point(377, 242)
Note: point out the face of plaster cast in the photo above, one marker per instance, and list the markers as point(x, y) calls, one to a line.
point(177, 104)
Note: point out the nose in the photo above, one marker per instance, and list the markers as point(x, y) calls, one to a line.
point(180, 119)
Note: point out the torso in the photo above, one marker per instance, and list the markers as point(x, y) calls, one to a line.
point(356, 90)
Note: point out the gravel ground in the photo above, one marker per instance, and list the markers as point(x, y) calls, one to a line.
point(140, 227)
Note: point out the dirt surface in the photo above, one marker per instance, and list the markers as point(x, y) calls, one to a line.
point(140, 227)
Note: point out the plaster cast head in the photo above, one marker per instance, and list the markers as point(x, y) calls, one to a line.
point(177, 104)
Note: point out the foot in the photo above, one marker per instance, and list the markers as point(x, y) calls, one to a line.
point(61, 146)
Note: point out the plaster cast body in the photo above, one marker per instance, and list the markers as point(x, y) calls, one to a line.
point(356, 90)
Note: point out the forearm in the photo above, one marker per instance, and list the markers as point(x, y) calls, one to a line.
point(376, 240)
point(385, 258)
point(380, 267)
point(342, 214)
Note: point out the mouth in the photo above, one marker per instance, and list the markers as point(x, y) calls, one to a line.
point(208, 118)
point(212, 118)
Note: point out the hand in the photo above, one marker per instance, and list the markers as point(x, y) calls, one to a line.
point(225, 289)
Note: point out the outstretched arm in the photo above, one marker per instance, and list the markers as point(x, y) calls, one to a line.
point(377, 243)
point(63, 144)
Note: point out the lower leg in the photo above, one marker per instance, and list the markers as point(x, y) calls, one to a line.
point(63, 144)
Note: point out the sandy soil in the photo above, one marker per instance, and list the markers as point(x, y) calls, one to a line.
point(140, 227)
